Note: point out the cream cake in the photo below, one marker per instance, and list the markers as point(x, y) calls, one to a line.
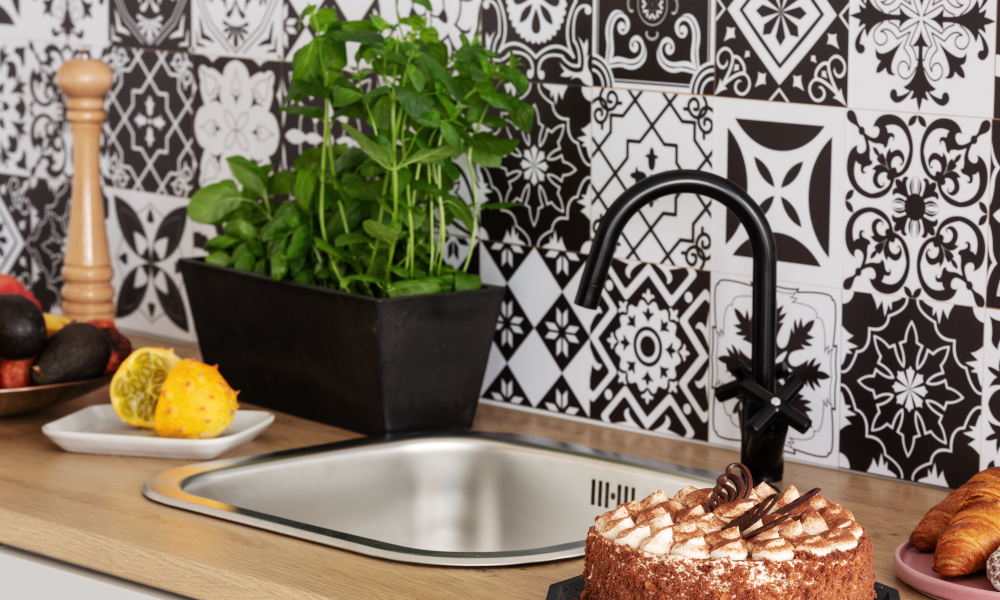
point(733, 542)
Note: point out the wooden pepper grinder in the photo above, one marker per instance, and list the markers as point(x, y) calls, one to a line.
point(87, 292)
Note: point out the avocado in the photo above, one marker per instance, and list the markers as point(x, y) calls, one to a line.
point(76, 352)
point(22, 327)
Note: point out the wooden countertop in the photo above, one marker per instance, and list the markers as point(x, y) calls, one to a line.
point(88, 510)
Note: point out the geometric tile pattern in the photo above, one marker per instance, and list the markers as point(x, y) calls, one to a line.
point(148, 141)
point(993, 231)
point(783, 50)
point(808, 334)
point(637, 134)
point(990, 449)
point(917, 219)
point(159, 25)
point(238, 28)
point(912, 388)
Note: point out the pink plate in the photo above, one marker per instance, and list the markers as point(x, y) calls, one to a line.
point(914, 567)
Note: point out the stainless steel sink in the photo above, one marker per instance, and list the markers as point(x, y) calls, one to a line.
point(471, 499)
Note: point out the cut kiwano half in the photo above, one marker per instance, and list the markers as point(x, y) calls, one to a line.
point(136, 386)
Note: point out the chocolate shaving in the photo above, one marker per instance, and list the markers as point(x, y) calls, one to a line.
point(770, 525)
point(753, 515)
point(733, 485)
point(806, 497)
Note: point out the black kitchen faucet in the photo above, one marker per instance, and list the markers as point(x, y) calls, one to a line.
point(765, 412)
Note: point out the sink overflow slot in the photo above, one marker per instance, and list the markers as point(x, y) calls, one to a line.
point(601, 494)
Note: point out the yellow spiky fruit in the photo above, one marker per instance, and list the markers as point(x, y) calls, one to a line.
point(195, 402)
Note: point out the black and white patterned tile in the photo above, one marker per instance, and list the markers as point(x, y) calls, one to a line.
point(235, 113)
point(80, 23)
point(552, 38)
point(638, 134)
point(548, 174)
point(33, 218)
point(808, 336)
point(148, 141)
point(993, 232)
point(147, 234)
point(239, 28)
point(11, 25)
point(651, 350)
point(782, 50)
point(658, 45)
point(912, 388)
point(786, 156)
point(541, 356)
point(35, 139)
point(989, 454)
point(151, 24)
point(917, 206)
point(913, 55)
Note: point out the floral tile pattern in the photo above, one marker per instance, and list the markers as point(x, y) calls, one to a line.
point(637, 134)
point(993, 232)
point(914, 55)
point(148, 141)
point(235, 113)
point(34, 137)
point(917, 206)
point(650, 341)
point(548, 173)
point(912, 388)
point(654, 45)
point(33, 218)
point(160, 24)
point(147, 234)
point(552, 38)
point(243, 28)
point(783, 50)
point(785, 157)
point(541, 356)
point(807, 342)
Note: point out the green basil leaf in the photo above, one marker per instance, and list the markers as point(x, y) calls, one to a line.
point(425, 3)
point(260, 267)
point(486, 159)
point(365, 278)
point(416, 77)
point(247, 173)
point(500, 205)
point(300, 243)
point(279, 267)
point(467, 281)
point(343, 96)
point(323, 18)
point(450, 135)
point(460, 210)
point(305, 187)
point(380, 154)
point(354, 237)
point(379, 22)
point(413, 103)
point(491, 144)
point(517, 77)
point(241, 229)
point(245, 262)
point(219, 258)
point(355, 35)
point(416, 287)
point(380, 231)
point(497, 100)
point(429, 155)
point(220, 242)
point(281, 183)
point(441, 74)
point(214, 204)
point(523, 116)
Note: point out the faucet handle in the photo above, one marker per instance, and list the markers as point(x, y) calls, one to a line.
point(775, 406)
point(740, 371)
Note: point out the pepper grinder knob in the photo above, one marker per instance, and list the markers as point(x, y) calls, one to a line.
point(87, 292)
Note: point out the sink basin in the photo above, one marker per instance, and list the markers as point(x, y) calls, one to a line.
point(467, 499)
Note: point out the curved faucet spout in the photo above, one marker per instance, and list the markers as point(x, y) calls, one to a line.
point(746, 210)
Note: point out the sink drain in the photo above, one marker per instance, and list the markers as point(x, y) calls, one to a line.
point(606, 494)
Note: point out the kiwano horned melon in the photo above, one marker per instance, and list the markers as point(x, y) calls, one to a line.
point(195, 402)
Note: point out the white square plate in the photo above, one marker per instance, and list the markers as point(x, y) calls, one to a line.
point(97, 430)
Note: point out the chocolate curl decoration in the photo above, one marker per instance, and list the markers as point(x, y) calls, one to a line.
point(753, 515)
point(731, 486)
point(806, 497)
point(771, 525)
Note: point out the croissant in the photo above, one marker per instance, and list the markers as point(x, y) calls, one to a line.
point(926, 534)
point(973, 535)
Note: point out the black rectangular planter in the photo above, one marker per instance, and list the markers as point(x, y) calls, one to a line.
point(371, 366)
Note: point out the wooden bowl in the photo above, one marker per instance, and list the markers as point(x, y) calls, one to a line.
point(20, 400)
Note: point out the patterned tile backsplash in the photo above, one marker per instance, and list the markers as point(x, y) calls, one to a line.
point(863, 128)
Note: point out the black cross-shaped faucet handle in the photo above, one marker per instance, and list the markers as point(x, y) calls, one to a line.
point(772, 406)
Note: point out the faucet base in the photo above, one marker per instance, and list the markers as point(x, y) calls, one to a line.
point(763, 454)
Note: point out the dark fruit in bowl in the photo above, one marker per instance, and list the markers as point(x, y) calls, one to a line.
point(10, 285)
point(22, 327)
point(76, 352)
point(120, 346)
point(15, 373)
